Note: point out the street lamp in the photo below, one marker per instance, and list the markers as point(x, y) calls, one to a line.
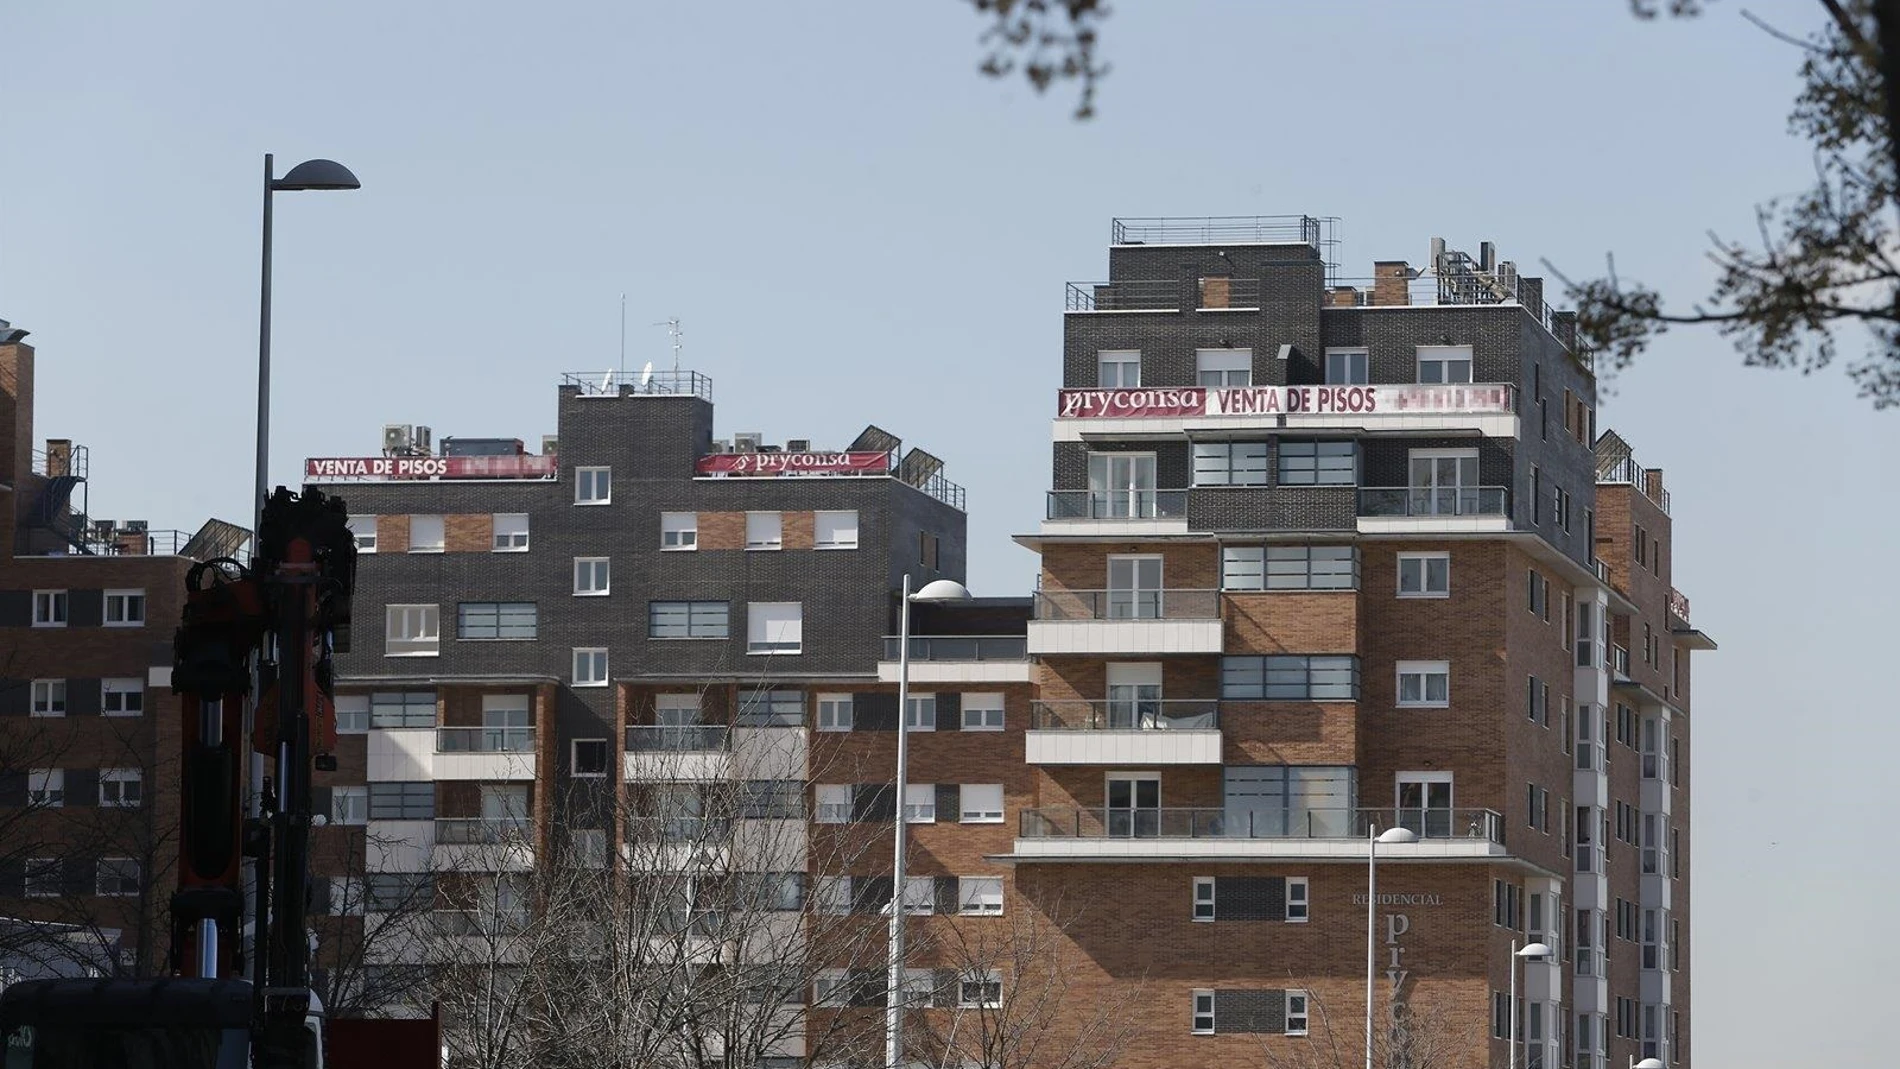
point(937, 590)
point(1646, 1063)
point(1373, 838)
point(1536, 952)
point(310, 174)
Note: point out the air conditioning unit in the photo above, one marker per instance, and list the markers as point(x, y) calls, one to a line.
point(423, 441)
point(798, 445)
point(550, 445)
point(748, 442)
point(721, 445)
point(134, 526)
point(396, 437)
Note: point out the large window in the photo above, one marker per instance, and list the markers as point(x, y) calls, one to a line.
point(511, 532)
point(1298, 678)
point(679, 530)
point(1424, 683)
point(593, 576)
point(125, 608)
point(413, 631)
point(1217, 368)
point(1318, 463)
point(402, 709)
point(1347, 367)
point(478, 620)
point(687, 619)
point(771, 708)
point(775, 627)
point(1134, 588)
point(1118, 369)
point(1444, 363)
point(1121, 485)
point(1289, 568)
point(1230, 463)
point(49, 608)
point(402, 801)
point(764, 530)
point(835, 530)
point(1424, 575)
point(427, 534)
point(593, 486)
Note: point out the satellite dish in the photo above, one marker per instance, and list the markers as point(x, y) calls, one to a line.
point(646, 375)
point(607, 381)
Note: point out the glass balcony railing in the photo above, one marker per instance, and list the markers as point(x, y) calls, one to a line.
point(484, 740)
point(1117, 504)
point(1075, 822)
point(1128, 605)
point(676, 738)
point(472, 831)
point(1187, 714)
point(1434, 501)
point(961, 647)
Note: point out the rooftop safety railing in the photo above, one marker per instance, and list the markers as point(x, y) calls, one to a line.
point(482, 831)
point(1117, 504)
point(676, 738)
point(1128, 605)
point(639, 383)
point(960, 647)
point(1678, 605)
point(1126, 714)
point(484, 740)
point(1627, 472)
point(1209, 230)
point(1077, 822)
point(1434, 501)
point(1220, 292)
point(1132, 295)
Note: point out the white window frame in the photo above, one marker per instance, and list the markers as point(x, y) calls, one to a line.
point(834, 529)
point(831, 803)
point(976, 810)
point(589, 480)
point(835, 712)
point(425, 642)
point(420, 522)
point(830, 987)
point(510, 532)
point(1196, 999)
point(41, 866)
point(831, 896)
point(765, 531)
point(1364, 366)
point(980, 896)
point(593, 569)
point(920, 712)
point(121, 778)
point(920, 803)
point(48, 698)
point(51, 608)
point(679, 532)
point(594, 654)
point(1424, 563)
point(1297, 1023)
point(1121, 360)
point(1227, 363)
point(349, 805)
point(1299, 908)
point(772, 630)
point(355, 704)
point(46, 787)
point(126, 600)
point(988, 709)
point(124, 866)
point(920, 896)
point(363, 530)
point(1203, 897)
point(117, 687)
point(1424, 670)
point(574, 758)
point(1445, 356)
point(984, 1000)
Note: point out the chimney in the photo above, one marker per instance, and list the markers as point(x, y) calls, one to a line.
point(1342, 297)
point(1391, 282)
point(1652, 483)
point(16, 408)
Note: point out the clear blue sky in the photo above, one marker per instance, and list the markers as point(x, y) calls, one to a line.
point(857, 228)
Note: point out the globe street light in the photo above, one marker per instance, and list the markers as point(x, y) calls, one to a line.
point(1373, 838)
point(1533, 952)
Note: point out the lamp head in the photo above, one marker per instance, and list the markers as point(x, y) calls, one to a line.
point(1537, 951)
point(1397, 835)
point(942, 590)
point(317, 174)
point(1648, 1063)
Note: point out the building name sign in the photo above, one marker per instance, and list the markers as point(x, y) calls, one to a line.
point(1190, 401)
point(518, 466)
point(1402, 899)
point(755, 464)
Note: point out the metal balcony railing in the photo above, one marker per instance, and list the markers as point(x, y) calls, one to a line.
point(1434, 501)
point(1074, 822)
point(961, 647)
point(1117, 504)
point(1161, 714)
point(1625, 471)
point(471, 922)
point(481, 831)
point(1128, 605)
point(676, 738)
point(1678, 605)
point(1223, 293)
point(484, 740)
point(678, 829)
point(1211, 230)
point(639, 383)
point(1130, 295)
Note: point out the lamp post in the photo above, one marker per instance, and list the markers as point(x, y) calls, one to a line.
point(1539, 952)
point(1373, 838)
point(937, 590)
point(1646, 1063)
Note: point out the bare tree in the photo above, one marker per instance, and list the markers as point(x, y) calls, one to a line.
point(1407, 1036)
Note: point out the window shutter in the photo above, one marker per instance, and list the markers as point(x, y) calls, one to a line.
point(873, 801)
point(867, 987)
point(874, 712)
point(1275, 897)
point(16, 608)
point(85, 608)
point(83, 697)
point(949, 802)
point(12, 795)
point(16, 697)
point(1250, 898)
point(82, 786)
point(949, 711)
point(870, 895)
point(320, 802)
point(943, 989)
point(947, 895)
point(13, 872)
point(81, 874)
point(319, 895)
point(1238, 1010)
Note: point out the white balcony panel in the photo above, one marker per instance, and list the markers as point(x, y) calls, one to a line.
point(674, 766)
point(401, 755)
point(397, 938)
point(1115, 637)
point(496, 767)
point(398, 845)
point(1122, 747)
point(1657, 797)
point(922, 672)
point(707, 856)
point(769, 753)
point(767, 937)
point(1591, 995)
point(1544, 980)
point(1655, 986)
point(770, 845)
point(515, 856)
point(1429, 525)
point(1489, 425)
point(1589, 788)
point(1219, 849)
point(1131, 528)
point(1657, 891)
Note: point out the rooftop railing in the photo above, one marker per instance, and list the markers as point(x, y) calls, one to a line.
point(1627, 472)
point(1161, 714)
point(639, 383)
point(1678, 605)
point(1117, 504)
point(1215, 229)
point(484, 740)
point(676, 738)
point(1126, 296)
point(1434, 501)
point(1074, 822)
point(1128, 605)
point(960, 647)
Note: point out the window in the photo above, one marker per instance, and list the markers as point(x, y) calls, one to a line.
point(590, 668)
point(1118, 369)
point(1539, 594)
point(426, 534)
point(983, 711)
point(125, 608)
point(927, 550)
point(772, 799)
point(1424, 683)
point(980, 895)
point(44, 875)
point(1318, 463)
point(402, 801)
point(511, 532)
point(1347, 367)
point(679, 530)
point(1203, 898)
point(388, 892)
point(1221, 368)
point(122, 697)
point(121, 788)
point(1325, 678)
point(1296, 1013)
point(1298, 900)
point(402, 709)
point(1537, 495)
point(1289, 568)
point(833, 987)
point(363, 529)
point(833, 803)
point(46, 787)
point(920, 803)
point(1537, 701)
point(1230, 463)
point(1134, 588)
point(592, 576)
point(764, 530)
point(982, 803)
point(1203, 1013)
point(835, 530)
point(349, 805)
point(1424, 575)
point(982, 990)
point(590, 757)
point(920, 712)
point(920, 896)
point(49, 697)
point(413, 631)
point(490, 620)
point(834, 712)
point(687, 619)
point(1444, 363)
point(775, 627)
point(49, 608)
point(831, 896)
point(771, 708)
point(593, 486)
point(117, 877)
point(1537, 808)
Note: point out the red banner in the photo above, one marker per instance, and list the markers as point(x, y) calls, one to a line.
point(795, 464)
point(1192, 401)
point(326, 469)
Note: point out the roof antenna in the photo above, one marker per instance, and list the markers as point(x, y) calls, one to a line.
point(673, 327)
point(623, 335)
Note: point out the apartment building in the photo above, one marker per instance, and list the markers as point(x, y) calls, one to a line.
point(1328, 556)
point(88, 735)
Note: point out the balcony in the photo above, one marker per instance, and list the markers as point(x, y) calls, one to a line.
point(1126, 621)
point(1434, 509)
point(1163, 295)
point(483, 844)
point(677, 753)
point(484, 753)
point(960, 659)
point(1134, 512)
point(1124, 732)
point(1085, 834)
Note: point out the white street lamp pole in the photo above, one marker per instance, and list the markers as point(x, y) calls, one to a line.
point(1373, 838)
point(894, 994)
